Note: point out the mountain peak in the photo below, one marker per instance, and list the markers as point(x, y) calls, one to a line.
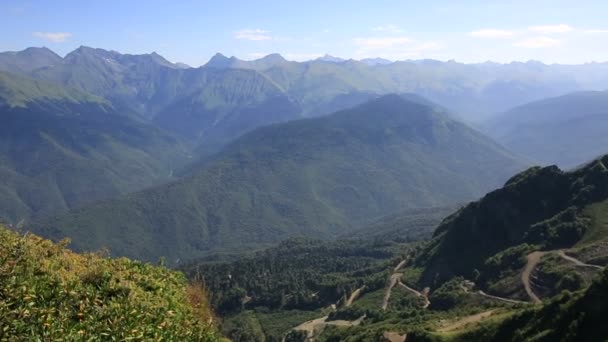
point(375, 61)
point(219, 60)
point(273, 57)
point(330, 58)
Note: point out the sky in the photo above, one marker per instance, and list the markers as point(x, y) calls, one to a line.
point(189, 31)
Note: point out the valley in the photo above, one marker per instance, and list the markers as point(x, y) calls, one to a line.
point(325, 199)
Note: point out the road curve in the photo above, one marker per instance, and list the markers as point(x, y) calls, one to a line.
point(577, 262)
point(417, 293)
point(532, 261)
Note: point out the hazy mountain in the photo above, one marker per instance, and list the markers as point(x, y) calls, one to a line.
point(330, 58)
point(566, 130)
point(223, 104)
point(315, 177)
point(474, 91)
point(28, 60)
point(147, 84)
point(376, 61)
point(61, 148)
point(140, 83)
point(220, 61)
point(205, 106)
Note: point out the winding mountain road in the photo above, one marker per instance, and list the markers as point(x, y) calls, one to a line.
point(532, 261)
point(418, 294)
point(562, 253)
point(387, 293)
point(481, 293)
point(508, 300)
point(395, 279)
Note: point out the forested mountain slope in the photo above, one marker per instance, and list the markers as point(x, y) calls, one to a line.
point(314, 177)
point(61, 148)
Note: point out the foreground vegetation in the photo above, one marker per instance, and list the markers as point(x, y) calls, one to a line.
point(50, 293)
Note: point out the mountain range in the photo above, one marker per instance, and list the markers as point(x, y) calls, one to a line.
point(312, 177)
point(473, 91)
point(147, 83)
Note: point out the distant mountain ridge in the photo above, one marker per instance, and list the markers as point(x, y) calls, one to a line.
point(148, 83)
point(567, 130)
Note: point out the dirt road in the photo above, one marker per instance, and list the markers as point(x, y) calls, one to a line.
point(426, 299)
point(387, 293)
point(354, 296)
point(466, 321)
point(532, 261)
point(577, 262)
point(315, 326)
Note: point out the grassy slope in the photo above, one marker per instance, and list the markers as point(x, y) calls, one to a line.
point(28, 60)
point(314, 177)
point(18, 91)
point(48, 292)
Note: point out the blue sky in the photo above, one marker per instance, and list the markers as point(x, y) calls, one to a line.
point(192, 31)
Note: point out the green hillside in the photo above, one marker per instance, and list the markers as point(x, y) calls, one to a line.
point(567, 130)
point(213, 107)
point(262, 296)
point(315, 177)
point(468, 283)
point(542, 207)
point(28, 60)
point(205, 107)
point(60, 149)
point(570, 317)
point(50, 293)
point(18, 91)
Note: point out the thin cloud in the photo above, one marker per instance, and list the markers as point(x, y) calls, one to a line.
point(595, 31)
point(538, 42)
point(492, 33)
point(252, 34)
point(393, 48)
point(53, 37)
point(551, 29)
point(388, 29)
point(381, 42)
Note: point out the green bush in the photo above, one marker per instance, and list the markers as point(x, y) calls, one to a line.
point(49, 293)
